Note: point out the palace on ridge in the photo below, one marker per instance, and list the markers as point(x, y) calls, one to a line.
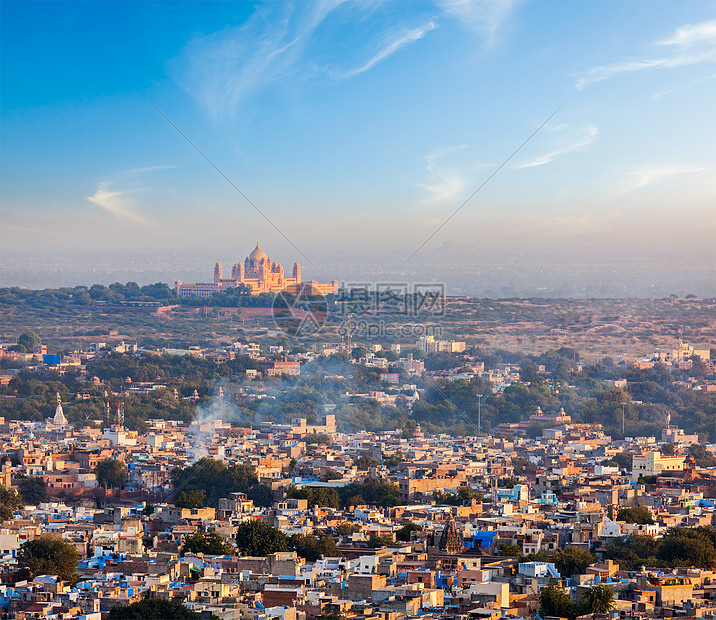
point(258, 272)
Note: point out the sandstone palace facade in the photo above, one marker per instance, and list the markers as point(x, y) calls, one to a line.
point(258, 272)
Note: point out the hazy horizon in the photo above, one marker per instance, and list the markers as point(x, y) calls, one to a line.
point(357, 129)
point(463, 270)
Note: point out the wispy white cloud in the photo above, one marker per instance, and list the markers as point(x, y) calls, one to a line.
point(445, 183)
point(482, 16)
point(686, 36)
point(136, 171)
point(119, 202)
point(660, 94)
point(598, 74)
point(285, 41)
point(223, 69)
point(446, 180)
point(116, 203)
point(391, 47)
point(573, 140)
point(701, 36)
point(647, 175)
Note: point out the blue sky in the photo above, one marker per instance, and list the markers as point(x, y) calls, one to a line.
point(359, 125)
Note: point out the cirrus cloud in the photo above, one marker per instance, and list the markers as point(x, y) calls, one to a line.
point(647, 175)
point(391, 47)
point(573, 141)
point(695, 44)
point(119, 202)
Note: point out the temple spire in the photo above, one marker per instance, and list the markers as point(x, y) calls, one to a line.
point(59, 419)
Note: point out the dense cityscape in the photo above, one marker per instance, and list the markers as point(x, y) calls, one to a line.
point(357, 310)
point(323, 479)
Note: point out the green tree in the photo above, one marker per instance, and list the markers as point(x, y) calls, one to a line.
point(682, 546)
point(10, 501)
point(258, 538)
point(599, 599)
point(365, 462)
point(111, 473)
point(528, 371)
point(215, 478)
point(33, 490)
point(356, 353)
point(191, 499)
point(520, 463)
point(573, 561)
point(261, 495)
point(148, 510)
point(155, 609)
point(371, 491)
point(307, 546)
point(393, 460)
point(403, 534)
point(668, 449)
point(346, 529)
point(632, 551)
point(702, 456)
point(320, 438)
point(329, 548)
point(650, 479)
point(535, 430)
point(10, 498)
point(375, 541)
point(29, 340)
point(316, 496)
point(463, 497)
point(511, 550)
point(210, 543)
point(311, 547)
point(555, 601)
point(331, 474)
point(622, 460)
point(635, 514)
point(49, 555)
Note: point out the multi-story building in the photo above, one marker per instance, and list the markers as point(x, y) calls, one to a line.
point(429, 344)
point(653, 463)
point(681, 353)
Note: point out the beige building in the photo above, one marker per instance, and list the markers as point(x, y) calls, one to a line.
point(429, 344)
point(258, 272)
point(671, 590)
point(681, 353)
point(678, 437)
point(414, 485)
point(653, 463)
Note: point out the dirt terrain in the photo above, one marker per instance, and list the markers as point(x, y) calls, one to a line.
point(595, 328)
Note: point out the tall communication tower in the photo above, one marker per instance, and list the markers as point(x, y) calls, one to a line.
point(120, 416)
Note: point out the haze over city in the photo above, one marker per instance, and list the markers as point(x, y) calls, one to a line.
point(357, 129)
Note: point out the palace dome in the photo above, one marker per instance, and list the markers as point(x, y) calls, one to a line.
point(258, 254)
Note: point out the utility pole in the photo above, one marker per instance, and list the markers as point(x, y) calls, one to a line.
point(479, 413)
point(623, 416)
